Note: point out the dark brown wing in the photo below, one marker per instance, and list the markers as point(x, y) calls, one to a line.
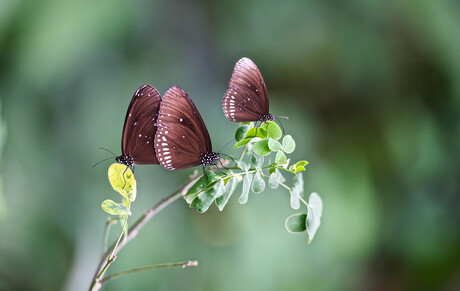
point(140, 126)
point(182, 135)
point(246, 98)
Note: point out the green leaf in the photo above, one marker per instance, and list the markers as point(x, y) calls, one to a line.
point(242, 142)
point(257, 161)
point(274, 145)
point(126, 185)
point(273, 129)
point(301, 163)
point(241, 132)
point(246, 186)
point(256, 132)
point(261, 148)
point(288, 144)
point(296, 223)
point(200, 185)
point(275, 179)
point(296, 191)
point(315, 210)
point(285, 164)
point(280, 158)
point(203, 200)
point(114, 208)
point(243, 165)
point(229, 189)
point(258, 183)
point(298, 167)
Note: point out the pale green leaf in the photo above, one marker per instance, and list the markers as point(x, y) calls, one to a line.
point(296, 191)
point(273, 129)
point(122, 180)
point(275, 179)
point(246, 186)
point(243, 165)
point(229, 189)
point(288, 144)
point(114, 208)
point(315, 211)
point(280, 158)
point(274, 145)
point(296, 223)
point(258, 183)
point(257, 161)
point(203, 200)
point(242, 142)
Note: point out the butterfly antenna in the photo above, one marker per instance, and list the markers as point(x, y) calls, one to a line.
point(108, 151)
point(285, 117)
point(102, 161)
point(226, 145)
point(282, 127)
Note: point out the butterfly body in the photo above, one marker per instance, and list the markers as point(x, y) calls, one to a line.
point(246, 99)
point(182, 139)
point(140, 127)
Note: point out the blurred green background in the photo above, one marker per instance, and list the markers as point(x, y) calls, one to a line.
point(372, 90)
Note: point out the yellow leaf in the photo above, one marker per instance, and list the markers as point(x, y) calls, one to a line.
point(122, 180)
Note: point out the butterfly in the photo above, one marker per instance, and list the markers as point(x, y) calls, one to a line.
point(139, 128)
point(182, 140)
point(246, 99)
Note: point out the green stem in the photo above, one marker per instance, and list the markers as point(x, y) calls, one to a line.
point(146, 268)
point(285, 186)
point(304, 202)
point(108, 225)
point(134, 229)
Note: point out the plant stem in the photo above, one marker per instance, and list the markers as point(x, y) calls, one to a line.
point(304, 202)
point(105, 240)
point(134, 229)
point(171, 265)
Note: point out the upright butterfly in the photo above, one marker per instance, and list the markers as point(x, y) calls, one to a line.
point(182, 140)
point(246, 99)
point(140, 127)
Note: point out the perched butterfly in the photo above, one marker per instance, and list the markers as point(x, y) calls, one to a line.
point(246, 99)
point(140, 127)
point(182, 140)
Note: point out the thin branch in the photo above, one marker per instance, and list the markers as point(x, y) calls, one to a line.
point(133, 230)
point(182, 265)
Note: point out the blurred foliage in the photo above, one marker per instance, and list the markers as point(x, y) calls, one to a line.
point(370, 87)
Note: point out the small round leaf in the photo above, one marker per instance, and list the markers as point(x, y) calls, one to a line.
point(258, 183)
point(288, 144)
point(261, 148)
point(274, 145)
point(280, 157)
point(273, 129)
point(296, 223)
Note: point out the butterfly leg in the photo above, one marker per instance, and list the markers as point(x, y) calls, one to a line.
point(217, 167)
point(124, 176)
point(204, 173)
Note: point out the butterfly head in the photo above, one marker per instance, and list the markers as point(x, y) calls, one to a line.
point(266, 117)
point(125, 160)
point(209, 158)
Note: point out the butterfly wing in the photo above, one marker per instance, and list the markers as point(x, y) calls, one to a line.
point(182, 136)
point(140, 126)
point(246, 98)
